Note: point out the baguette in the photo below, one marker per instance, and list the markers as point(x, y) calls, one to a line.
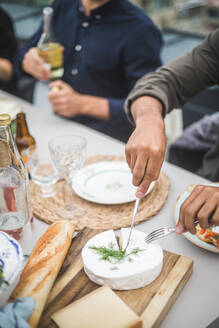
point(43, 266)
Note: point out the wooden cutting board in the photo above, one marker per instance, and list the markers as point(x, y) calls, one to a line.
point(151, 302)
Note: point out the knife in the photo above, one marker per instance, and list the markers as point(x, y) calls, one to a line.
point(133, 221)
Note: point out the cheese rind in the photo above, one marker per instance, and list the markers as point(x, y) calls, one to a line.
point(97, 310)
point(134, 272)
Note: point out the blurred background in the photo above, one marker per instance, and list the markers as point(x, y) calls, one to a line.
point(184, 24)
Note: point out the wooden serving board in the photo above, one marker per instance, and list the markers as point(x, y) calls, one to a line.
point(151, 302)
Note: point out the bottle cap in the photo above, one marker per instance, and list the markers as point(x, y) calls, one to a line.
point(5, 119)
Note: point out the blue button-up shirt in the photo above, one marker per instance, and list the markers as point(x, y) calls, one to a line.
point(104, 54)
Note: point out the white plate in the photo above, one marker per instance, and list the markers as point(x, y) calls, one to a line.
point(106, 182)
point(193, 238)
point(11, 258)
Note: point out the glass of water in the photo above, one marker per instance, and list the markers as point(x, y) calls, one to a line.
point(42, 170)
point(68, 154)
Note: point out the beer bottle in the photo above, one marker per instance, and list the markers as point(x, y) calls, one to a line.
point(23, 137)
point(49, 49)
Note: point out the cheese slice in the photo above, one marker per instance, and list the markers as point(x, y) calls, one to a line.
point(97, 310)
point(135, 271)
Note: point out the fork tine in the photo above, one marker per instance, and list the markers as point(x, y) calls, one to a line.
point(153, 237)
point(155, 234)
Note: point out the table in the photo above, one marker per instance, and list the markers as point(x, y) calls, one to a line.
point(197, 304)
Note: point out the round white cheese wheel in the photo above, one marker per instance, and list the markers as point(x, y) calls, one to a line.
point(133, 272)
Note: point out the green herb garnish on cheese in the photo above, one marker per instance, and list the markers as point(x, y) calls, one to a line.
point(113, 255)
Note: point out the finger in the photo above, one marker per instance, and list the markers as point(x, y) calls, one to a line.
point(133, 160)
point(129, 150)
point(192, 209)
point(189, 218)
point(36, 57)
point(142, 189)
point(58, 84)
point(38, 65)
point(139, 170)
point(63, 112)
point(151, 173)
point(205, 214)
point(39, 71)
point(180, 228)
point(54, 96)
point(58, 101)
point(128, 155)
point(44, 74)
point(60, 109)
point(215, 217)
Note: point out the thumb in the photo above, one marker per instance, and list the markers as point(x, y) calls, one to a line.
point(56, 85)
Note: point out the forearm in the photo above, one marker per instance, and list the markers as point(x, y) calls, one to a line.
point(174, 83)
point(145, 107)
point(96, 106)
point(6, 70)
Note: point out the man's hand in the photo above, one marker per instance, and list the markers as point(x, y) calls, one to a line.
point(202, 204)
point(33, 64)
point(65, 100)
point(146, 147)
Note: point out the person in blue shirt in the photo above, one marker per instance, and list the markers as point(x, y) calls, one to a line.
point(108, 46)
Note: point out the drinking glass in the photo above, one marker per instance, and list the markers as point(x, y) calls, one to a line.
point(42, 170)
point(68, 154)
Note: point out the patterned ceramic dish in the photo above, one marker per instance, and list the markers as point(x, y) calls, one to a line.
point(106, 182)
point(11, 259)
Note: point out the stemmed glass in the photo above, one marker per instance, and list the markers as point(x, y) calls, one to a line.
point(68, 154)
point(41, 169)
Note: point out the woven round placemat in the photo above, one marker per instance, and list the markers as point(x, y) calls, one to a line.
point(99, 216)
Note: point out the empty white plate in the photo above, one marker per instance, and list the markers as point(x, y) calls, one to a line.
point(106, 182)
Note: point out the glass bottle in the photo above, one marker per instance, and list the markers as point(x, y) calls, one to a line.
point(49, 49)
point(15, 206)
point(23, 139)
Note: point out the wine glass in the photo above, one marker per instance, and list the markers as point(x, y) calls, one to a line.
point(42, 170)
point(68, 154)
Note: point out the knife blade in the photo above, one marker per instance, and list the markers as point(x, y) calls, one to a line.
point(133, 221)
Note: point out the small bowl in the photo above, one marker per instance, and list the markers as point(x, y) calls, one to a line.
point(11, 259)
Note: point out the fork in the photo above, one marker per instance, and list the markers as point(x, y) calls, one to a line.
point(160, 233)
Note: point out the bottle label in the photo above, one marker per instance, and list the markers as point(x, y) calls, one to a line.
point(12, 220)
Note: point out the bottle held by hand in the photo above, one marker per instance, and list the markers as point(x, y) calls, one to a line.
point(49, 49)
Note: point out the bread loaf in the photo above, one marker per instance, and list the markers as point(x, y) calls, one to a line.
point(43, 266)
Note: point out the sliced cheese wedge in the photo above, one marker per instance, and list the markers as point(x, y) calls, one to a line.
point(135, 271)
point(97, 310)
